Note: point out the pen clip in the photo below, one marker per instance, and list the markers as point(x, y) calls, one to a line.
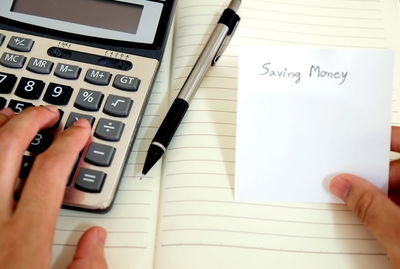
point(226, 41)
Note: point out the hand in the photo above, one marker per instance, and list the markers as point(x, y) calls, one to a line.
point(27, 227)
point(377, 212)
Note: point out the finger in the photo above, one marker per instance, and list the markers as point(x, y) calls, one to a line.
point(90, 251)
point(15, 136)
point(395, 141)
point(377, 212)
point(394, 175)
point(5, 115)
point(44, 189)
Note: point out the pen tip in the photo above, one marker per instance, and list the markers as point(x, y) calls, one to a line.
point(141, 176)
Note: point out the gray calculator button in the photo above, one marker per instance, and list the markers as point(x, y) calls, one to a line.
point(88, 100)
point(99, 154)
point(126, 83)
point(98, 77)
point(67, 71)
point(109, 130)
point(39, 66)
point(1, 39)
point(89, 180)
point(76, 116)
point(12, 60)
point(20, 44)
point(118, 106)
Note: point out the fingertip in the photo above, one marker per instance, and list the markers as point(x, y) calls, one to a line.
point(7, 112)
point(52, 108)
point(339, 186)
point(101, 234)
point(82, 123)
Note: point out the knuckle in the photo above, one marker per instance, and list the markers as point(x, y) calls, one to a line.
point(363, 207)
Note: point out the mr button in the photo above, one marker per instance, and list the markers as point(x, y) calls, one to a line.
point(126, 83)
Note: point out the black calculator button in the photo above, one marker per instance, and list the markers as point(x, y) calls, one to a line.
point(67, 71)
point(1, 39)
point(7, 82)
point(26, 166)
point(88, 100)
point(12, 60)
point(118, 106)
point(18, 106)
point(3, 102)
point(57, 94)
point(109, 130)
point(39, 66)
point(89, 180)
point(29, 88)
point(20, 44)
point(75, 117)
point(98, 77)
point(99, 154)
point(41, 142)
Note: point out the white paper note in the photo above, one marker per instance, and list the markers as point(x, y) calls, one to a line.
point(305, 115)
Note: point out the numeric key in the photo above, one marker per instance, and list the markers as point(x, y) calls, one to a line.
point(57, 94)
point(18, 106)
point(41, 142)
point(3, 102)
point(7, 82)
point(29, 88)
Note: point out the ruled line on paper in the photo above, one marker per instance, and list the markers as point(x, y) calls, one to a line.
point(271, 249)
point(322, 25)
point(191, 6)
point(266, 234)
point(261, 219)
point(263, 205)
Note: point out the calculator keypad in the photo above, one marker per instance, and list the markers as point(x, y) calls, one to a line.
point(110, 97)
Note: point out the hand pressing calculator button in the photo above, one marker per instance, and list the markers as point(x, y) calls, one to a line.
point(87, 68)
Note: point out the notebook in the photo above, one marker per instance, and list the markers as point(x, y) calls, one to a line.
point(183, 213)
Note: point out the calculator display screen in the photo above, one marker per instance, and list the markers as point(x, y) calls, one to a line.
point(105, 14)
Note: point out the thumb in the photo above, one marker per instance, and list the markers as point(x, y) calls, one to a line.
point(375, 210)
point(90, 250)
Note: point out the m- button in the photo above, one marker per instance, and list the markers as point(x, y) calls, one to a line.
point(67, 71)
point(98, 77)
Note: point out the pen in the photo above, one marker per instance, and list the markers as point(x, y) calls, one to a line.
point(212, 51)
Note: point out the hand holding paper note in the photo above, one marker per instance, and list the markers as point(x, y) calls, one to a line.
point(307, 114)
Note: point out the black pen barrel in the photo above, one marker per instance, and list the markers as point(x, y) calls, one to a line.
point(171, 122)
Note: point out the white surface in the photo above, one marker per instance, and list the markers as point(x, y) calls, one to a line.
point(295, 130)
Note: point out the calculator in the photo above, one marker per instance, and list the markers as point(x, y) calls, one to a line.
point(93, 59)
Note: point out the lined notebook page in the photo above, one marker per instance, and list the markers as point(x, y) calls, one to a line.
point(200, 223)
point(131, 224)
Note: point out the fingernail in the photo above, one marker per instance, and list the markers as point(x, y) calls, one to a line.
point(7, 112)
point(82, 123)
point(51, 108)
point(101, 236)
point(340, 187)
